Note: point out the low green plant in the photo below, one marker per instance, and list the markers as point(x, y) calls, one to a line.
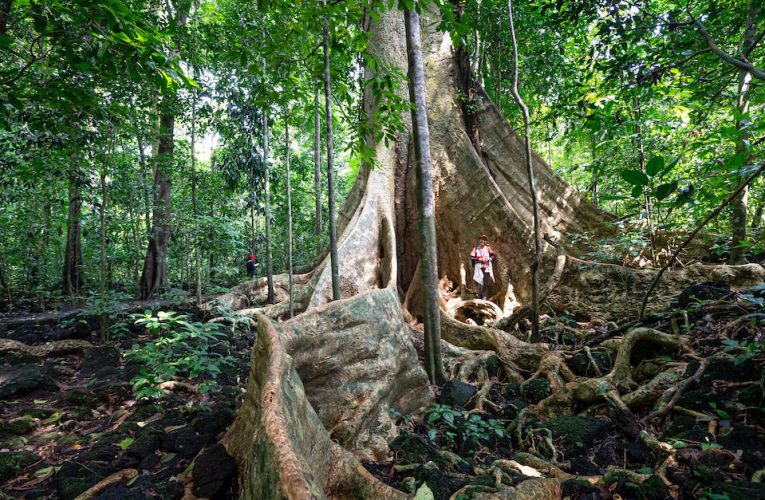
point(110, 309)
point(180, 349)
point(448, 422)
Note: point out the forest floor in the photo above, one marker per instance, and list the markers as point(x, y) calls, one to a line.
point(708, 442)
point(69, 421)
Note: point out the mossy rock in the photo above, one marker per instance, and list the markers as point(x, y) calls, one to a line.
point(441, 484)
point(512, 390)
point(74, 478)
point(42, 413)
point(577, 434)
point(737, 489)
point(13, 462)
point(535, 390)
point(18, 426)
point(411, 449)
point(79, 398)
point(652, 488)
point(580, 364)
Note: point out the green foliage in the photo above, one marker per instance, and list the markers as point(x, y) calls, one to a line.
point(110, 307)
point(446, 422)
point(180, 349)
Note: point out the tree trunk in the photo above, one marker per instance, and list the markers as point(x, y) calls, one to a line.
point(333, 372)
point(5, 11)
point(102, 253)
point(289, 205)
point(267, 216)
point(74, 275)
point(194, 203)
point(145, 190)
point(641, 165)
point(532, 183)
point(426, 210)
point(154, 274)
point(330, 160)
point(317, 164)
point(740, 202)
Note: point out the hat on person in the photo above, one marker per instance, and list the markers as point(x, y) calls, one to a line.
point(251, 257)
point(484, 237)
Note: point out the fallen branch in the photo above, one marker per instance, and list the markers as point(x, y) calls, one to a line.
point(690, 237)
point(678, 393)
point(117, 477)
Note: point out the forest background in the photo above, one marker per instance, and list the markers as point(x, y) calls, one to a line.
point(124, 123)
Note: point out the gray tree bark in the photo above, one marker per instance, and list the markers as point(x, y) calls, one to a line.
point(740, 203)
point(267, 188)
point(532, 183)
point(74, 275)
point(330, 161)
point(317, 162)
point(426, 205)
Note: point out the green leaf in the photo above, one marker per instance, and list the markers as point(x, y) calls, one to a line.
point(424, 493)
point(125, 443)
point(663, 191)
point(53, 418)
point(5, 41)
point(167, 457)
point(654, 166)
point(634, 177)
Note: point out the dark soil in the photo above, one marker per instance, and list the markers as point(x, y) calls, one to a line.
point(69, 422)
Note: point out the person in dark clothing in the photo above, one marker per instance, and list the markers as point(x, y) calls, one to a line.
point(252, 265)
point(481, 257)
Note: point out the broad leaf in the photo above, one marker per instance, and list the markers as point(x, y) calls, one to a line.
point(654, 166)
point(663, 191)
point(634, 177)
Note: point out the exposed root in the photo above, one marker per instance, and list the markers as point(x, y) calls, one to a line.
point(592, 364)
point(117, 477)
point(481, 399)
point(280, 444)
point(678, 393)
point(476, 310)
point(48, 350)
point(620, 375)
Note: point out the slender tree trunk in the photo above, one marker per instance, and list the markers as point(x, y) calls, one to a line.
point(641, 164)
point(154, 274)
point(74, 276)
point(317, 163)
point(740, 203)
point(426, 205)
point(5, 11)
point(269, 257)
point(758, 216)
point(194, 201)
point(102, 253)
point(5, 281)
point(330, 161)
point(532, 182)
point(251, 191)
point(145, 191)
point(289, 204)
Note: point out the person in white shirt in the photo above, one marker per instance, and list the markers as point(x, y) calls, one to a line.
point(481, 258)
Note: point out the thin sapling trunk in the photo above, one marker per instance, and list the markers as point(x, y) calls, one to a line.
point(426, 205)
point(532, 183)
point(330, 160)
